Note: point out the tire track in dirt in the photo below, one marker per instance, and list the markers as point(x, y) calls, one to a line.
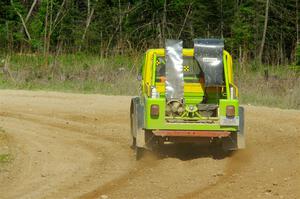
point(31, 117)
point(259, 141)
point(122, 180)
point(28, 147)
point(107, 187)
point(88, 140)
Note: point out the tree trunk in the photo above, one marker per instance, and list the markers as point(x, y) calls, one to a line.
point(297, 21)
point(57, 20)
point(184, 21)
point(192, 32)
point(50, 26)
point(46, 28)
point(29, 14)
point(22, 20)
point(297, 34)
point(208, 33)
point(264, 32)
point(120, 43)
point(90, 14)
point(30, 11)
point(222, 20)
point(256, 25)
point(160, 40)
point(46, 36)
point(88, 22)
point(164, 22)
point(240, 57)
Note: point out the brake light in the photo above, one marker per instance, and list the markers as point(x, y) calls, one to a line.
point(154, 111)
point(230, 111)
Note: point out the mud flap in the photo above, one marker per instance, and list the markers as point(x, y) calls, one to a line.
point(230, 143)
point(136, 116)
point(140, 139)
point(236, 140)
point(137, 123)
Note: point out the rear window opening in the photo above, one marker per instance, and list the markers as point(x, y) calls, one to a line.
point(192, 72)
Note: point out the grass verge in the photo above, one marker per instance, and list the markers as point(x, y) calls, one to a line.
point(5, 155)
point(117, 76)
point(279, 90)
point(73, 73)
point(5, 158)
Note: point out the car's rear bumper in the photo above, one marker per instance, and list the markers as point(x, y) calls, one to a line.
point(181, 133)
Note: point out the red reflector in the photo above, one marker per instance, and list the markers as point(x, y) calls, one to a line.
point(230, 111)
point(154, 110)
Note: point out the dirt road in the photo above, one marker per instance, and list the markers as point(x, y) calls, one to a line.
point(77, 146)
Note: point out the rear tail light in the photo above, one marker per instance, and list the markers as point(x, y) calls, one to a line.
point(230, 111)
point(154, 111)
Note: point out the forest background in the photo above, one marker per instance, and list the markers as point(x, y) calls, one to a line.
point(98, 45)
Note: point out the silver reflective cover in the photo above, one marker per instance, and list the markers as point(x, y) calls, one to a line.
point(174, 70)
point(209, 55)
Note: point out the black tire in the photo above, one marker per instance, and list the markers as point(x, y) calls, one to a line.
point(241, 114)
point(217, 150)
point(132, 125)
point(241, 131)
point(131, 119)
point(133, 145)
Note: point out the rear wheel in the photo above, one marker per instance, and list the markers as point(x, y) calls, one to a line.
point(150, 143)
point(241, 132)
point(217, 149)
point(139, 151)
point(133, 145)
point(133, 125)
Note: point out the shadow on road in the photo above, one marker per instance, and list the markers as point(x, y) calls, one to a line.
point(188, 151)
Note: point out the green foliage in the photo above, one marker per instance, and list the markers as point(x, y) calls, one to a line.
point(4, 158)
point(124, 27)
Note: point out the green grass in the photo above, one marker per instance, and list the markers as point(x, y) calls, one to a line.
point(89, 86)
point(5, 158)
point(282, 89)
point(73, 73)
point(117, 76)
